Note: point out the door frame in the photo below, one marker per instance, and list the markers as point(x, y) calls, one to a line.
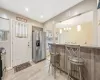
point(11, 44)
point(11, 37)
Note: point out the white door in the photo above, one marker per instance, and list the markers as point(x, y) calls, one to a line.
point(19, 43)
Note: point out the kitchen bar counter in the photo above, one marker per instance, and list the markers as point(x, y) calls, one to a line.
point(91, 56)
point(87, 46)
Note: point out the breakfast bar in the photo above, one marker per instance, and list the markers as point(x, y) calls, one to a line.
point(90, 54)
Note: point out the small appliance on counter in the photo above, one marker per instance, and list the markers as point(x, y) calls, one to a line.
point(2, 62)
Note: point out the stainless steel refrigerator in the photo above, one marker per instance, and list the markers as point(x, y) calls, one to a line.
point(38, 46)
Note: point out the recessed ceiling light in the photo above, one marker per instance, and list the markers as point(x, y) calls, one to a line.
point(41, 16)
point(26, 9)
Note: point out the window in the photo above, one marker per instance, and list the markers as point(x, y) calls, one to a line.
point(3, 35)
point(21, 30)
point(4, 29)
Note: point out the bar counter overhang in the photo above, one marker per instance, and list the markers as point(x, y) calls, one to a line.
point(91, 56)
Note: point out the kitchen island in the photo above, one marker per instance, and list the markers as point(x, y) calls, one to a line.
point(91, 56)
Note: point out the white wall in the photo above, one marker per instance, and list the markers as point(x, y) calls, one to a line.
point(86, 5)
point(10, 15)
point(7, 45)
point(72, 36)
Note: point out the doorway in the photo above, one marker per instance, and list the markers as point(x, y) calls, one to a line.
point(19, 43)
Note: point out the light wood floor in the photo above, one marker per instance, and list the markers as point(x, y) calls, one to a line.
point(37, 71)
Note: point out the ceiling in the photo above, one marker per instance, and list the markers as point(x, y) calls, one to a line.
point(76, 20)
point(39, 10)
